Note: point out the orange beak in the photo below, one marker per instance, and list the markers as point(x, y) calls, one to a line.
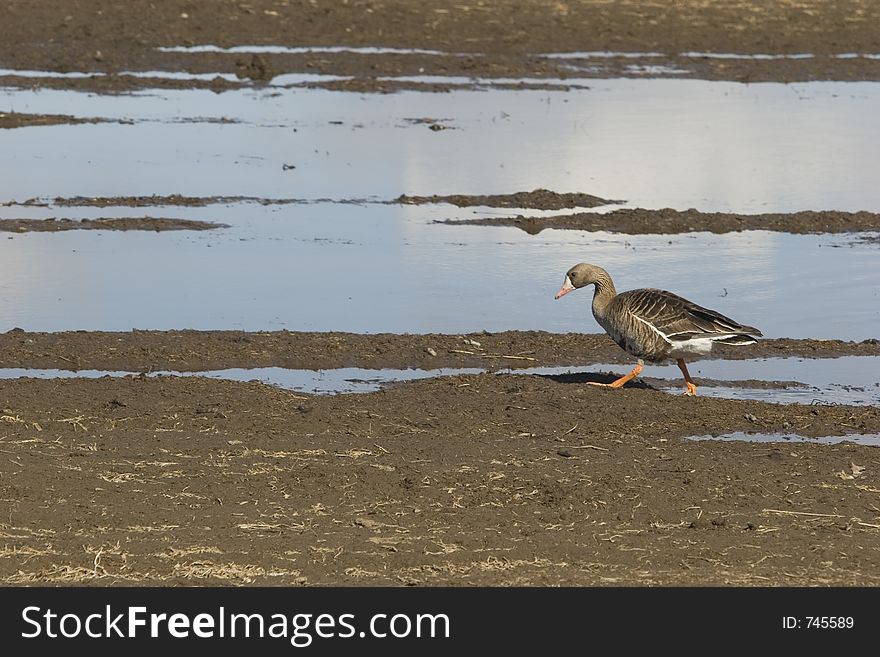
point(565, 289)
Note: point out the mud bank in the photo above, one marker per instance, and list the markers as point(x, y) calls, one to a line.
point(54, 225)
point(667, 221)
point(445, 38)
point(141, 351)
point(530, 481)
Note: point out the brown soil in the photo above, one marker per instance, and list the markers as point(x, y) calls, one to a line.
point(155, 200)
point(667, 221)
point(53, 225)
point(515, 480)
point(541, 199)
point(498, 39)
point(532, 480)
point(192, 351)
point(19, 120)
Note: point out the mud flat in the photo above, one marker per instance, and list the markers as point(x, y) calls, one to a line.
point(530, 481)
point(20, 120)
point(667, 221)
point(142, 351)
point(746, 41)
point(540, 199)
point(53, 225)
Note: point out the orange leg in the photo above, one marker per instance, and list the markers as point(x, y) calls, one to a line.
point(691, 386)
point(619, 382)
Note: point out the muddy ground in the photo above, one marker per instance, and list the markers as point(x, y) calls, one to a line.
point(468, 480)
point(638, 221)
point(540, 199)
point(487, 39)
point(513, 480)
point(196, 351)
point(55, 224)
point(21, 120)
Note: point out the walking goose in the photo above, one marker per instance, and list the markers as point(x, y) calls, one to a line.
point(655, 325)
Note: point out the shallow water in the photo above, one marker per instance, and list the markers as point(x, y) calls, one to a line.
point(372, 267)
point(378, 268)
point(306, 50)
point(848, 380)
point(711, 145)
point(872, 440)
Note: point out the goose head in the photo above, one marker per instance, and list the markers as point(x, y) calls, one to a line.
point(580, 276)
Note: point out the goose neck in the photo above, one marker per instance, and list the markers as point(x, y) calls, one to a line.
point(603, 294)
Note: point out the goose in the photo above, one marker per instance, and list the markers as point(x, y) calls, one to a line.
point(655, 325)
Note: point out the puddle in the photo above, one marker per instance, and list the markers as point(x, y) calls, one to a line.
point(77, 75)
point(468, 81)
point(388, 269)
point(321, 382)
point(846, 380)
point(367, 267)
point(603, 54)
point(872, 440)
point(283, 80)
point(600, 54)
point(309, 50)
point(655, 69)
point(723, 146)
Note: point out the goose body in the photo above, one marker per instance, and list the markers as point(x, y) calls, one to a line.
point(655, 325)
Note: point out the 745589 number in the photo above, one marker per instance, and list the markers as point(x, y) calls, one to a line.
point(829, 622)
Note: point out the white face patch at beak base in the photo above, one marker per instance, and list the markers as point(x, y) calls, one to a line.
point(565, 289)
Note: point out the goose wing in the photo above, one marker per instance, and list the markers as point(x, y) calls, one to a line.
point(676, 318)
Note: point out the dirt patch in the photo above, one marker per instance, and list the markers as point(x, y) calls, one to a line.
point(529, 481)
point(19, 120)
point(159, 201)
point(53, 225)
point(144, 351)
point(117, 84)
point(493, 40)
point(130, 201)
point(668, 221)
point(541, 199)
point(392, 85)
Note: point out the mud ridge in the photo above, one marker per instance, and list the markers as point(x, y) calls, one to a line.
point(490, 39)
point(54, 225)
point(668, 221)
point(529, 482)
point(11, 120)
point(139, 351)
point(539, 199)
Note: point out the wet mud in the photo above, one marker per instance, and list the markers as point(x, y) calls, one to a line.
point(668, 221)
point(529, 481)
point(144, 351)
point(540, 199)
point(19, 120)
point(53, 225)
point(469, 39)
